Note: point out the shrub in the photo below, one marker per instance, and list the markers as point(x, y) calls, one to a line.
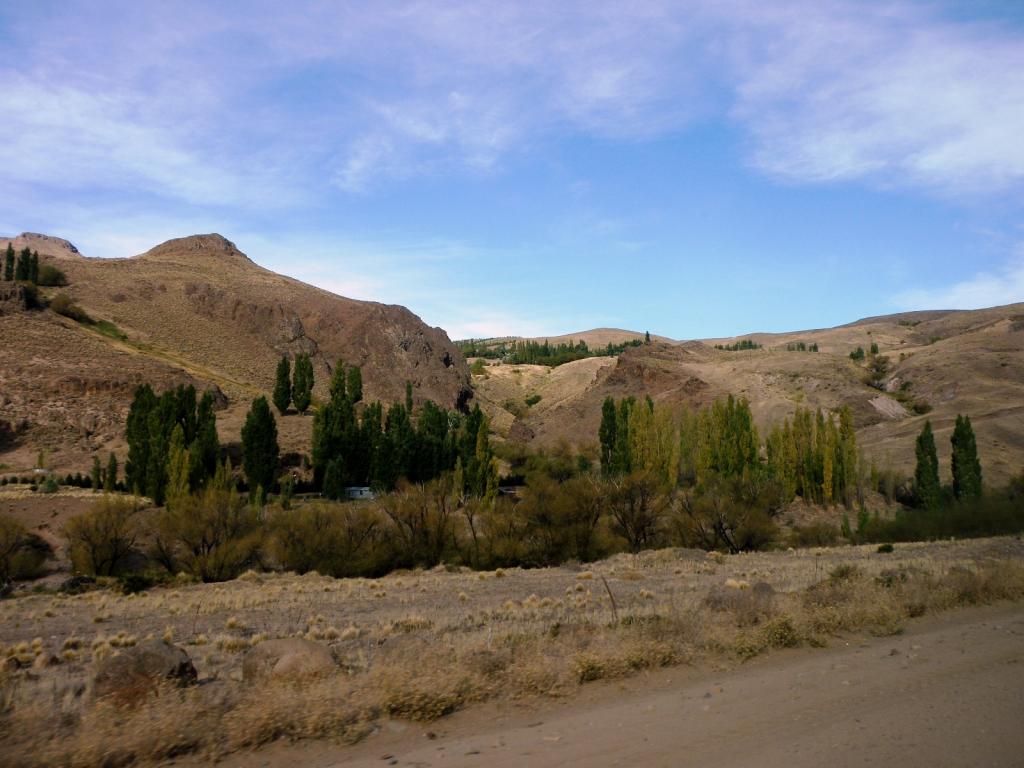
point(22, 554)
point(532, 400)
point(50, 276)
point(49, 485)
point(102, 541)
point(884, 549)
point(63, 305)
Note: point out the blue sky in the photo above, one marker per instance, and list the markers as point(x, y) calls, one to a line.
point(692, 168)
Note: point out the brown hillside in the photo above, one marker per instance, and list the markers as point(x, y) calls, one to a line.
point(968, 362)
point(198, 309)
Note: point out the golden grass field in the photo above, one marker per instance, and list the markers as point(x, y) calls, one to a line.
point(418, 645)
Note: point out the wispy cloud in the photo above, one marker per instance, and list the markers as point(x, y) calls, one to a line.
point(984, 289)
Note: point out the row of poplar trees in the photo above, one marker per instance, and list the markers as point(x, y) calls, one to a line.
point(367, 446)
point(25, 268)
point(814, 455)
point(172, 442)
point(965, 465)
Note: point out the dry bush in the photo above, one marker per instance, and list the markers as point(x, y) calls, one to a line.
point(101, 542)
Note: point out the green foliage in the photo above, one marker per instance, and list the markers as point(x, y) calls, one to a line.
point(606, 435)
point(283, 386)
point(526, 352)
point(302, 383)
point(259, 445)
point(150, 425)
point(858, 354)
point(802, 346)
point(966, 466)
point(993, 515)
point(926, 473)
point(63, 305)
point(479, 367)
point(110, 476)
point(50, 276)
point(96, 475)
point(739, 346)
point(532, 400)
point(23, 267)
point(354, 385)
point(332, 539)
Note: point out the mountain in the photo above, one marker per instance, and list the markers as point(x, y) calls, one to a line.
point(939, 364)
point(196, 309)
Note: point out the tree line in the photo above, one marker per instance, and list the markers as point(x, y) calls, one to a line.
point(528, 352)
point(25, 267)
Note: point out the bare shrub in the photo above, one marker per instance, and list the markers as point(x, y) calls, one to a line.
point(101, 542)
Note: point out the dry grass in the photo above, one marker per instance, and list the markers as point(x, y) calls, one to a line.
point(528, 634)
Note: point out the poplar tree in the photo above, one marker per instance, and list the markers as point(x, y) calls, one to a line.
point(259, 446)
point(926, 474)
point(283, 385)
point(355, 384)
point(96, 476)
point(302, 383)
point(9, 263)
point(110, 478)
point(966, 467)
point(338, 387)
point(204, 452)
point(606, 434)
point(33, 268)
point(24, 266)
point(177, 467)
point(408, 396)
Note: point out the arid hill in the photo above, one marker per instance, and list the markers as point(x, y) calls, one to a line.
point(195, 309)
point(939, 364)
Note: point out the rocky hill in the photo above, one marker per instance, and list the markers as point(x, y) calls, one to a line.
point(937, 364)
point(195, 309)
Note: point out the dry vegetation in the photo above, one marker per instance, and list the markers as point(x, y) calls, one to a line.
point(421, 644)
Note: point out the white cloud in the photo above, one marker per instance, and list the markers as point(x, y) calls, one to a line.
point(985, 289)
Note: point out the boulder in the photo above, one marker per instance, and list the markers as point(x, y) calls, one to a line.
point(287, 659)
point(132, 672)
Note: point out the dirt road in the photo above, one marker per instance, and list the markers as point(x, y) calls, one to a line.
point(949, 692)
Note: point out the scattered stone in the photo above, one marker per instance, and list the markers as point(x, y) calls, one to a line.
point(134, 671)
point(287, 658)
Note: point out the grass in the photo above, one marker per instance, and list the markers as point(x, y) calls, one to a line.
point(512, 634)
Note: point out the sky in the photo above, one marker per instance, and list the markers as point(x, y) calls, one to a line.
point(696, 169)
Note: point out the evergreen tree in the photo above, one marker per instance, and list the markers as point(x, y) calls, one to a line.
point(33, 268)
point(966, 466)
point(408, 396)
point(302, 383)
point(283, 386)
point(606, 435)
point(355, 384)
point(137, 434)
point(334, 480)
point(204, 452)
point(621, 452)
point(9, 263)
point(259, 445)
point(110, 478)
point(338, 388)
point(926, 475)
point(647, 337)
point(23, 269)
point(96, 476)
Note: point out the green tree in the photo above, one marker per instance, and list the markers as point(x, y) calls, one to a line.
point(334, 480)
point(647, 337)
point(177, 466)
point(338, 387)
point(110, 478)
point(355, 384)
point(23, 269)
point(283, 385)
point(204, 452)
point(259, 445)
point(137, 434)
point(926, 474)
point(966, 466)
point(9, 263)
point(408, 396)
point(33, 268)
point(606, 435)
point(96, 475)
point(302, 383)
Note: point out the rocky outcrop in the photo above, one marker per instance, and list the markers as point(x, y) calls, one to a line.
point(289, 658)
point(133, 672)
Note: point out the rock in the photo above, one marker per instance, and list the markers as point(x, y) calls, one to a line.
point(134, 671)
point(288, 658)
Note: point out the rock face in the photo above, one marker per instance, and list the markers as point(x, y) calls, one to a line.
point(289, 658)
point(205, 301)
point(135, 671)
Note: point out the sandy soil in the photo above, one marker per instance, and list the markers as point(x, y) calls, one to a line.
point(950, 692)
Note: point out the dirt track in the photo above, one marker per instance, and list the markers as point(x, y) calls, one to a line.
point(950, 692)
